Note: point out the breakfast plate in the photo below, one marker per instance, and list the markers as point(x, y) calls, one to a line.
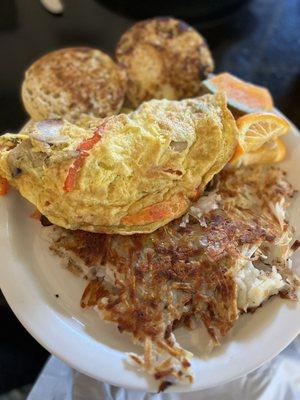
point(45, 298)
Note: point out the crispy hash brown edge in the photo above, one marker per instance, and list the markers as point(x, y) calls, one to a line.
point(148, 285)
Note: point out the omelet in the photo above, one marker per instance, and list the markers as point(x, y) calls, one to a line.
point(133, 174)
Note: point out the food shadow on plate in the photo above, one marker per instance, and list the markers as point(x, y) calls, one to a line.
point(113, 338)
point(249, 326)
point(246, 328)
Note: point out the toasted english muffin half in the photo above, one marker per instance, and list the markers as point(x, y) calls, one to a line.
point(73, 82)
point(163, 58)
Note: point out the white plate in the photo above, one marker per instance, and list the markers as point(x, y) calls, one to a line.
point(31, 277)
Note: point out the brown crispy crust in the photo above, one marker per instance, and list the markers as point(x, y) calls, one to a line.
point(175, 263)
point(73, 82)
point(163, 58)
point(183, 271)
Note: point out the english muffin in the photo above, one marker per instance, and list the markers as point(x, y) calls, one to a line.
point(73, 82)
point(163, 58)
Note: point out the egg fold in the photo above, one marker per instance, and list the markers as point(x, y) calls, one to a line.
point(132, 174)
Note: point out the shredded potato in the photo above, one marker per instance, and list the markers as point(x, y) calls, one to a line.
point(226, 256)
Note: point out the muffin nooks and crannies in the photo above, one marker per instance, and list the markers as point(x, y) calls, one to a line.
point(73, 82)
point(163, 58)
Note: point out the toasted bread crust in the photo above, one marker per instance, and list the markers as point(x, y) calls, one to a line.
point(163, 58)
point(73, 82)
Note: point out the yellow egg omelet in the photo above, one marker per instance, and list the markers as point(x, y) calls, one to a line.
point(134, 173)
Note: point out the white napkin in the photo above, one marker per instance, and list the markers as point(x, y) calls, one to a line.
point(278, 379)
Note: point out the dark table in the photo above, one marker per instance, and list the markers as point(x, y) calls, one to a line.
point(259, 42)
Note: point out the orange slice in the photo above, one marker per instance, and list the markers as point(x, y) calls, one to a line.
point(269, 153)
point(243, 97)
point(259, 128)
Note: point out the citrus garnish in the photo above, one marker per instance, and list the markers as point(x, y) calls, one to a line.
point(271, 152)
point(259, 128)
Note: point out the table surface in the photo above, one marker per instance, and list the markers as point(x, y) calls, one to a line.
point(259, 42)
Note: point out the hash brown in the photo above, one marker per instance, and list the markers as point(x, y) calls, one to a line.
point(226, 256)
